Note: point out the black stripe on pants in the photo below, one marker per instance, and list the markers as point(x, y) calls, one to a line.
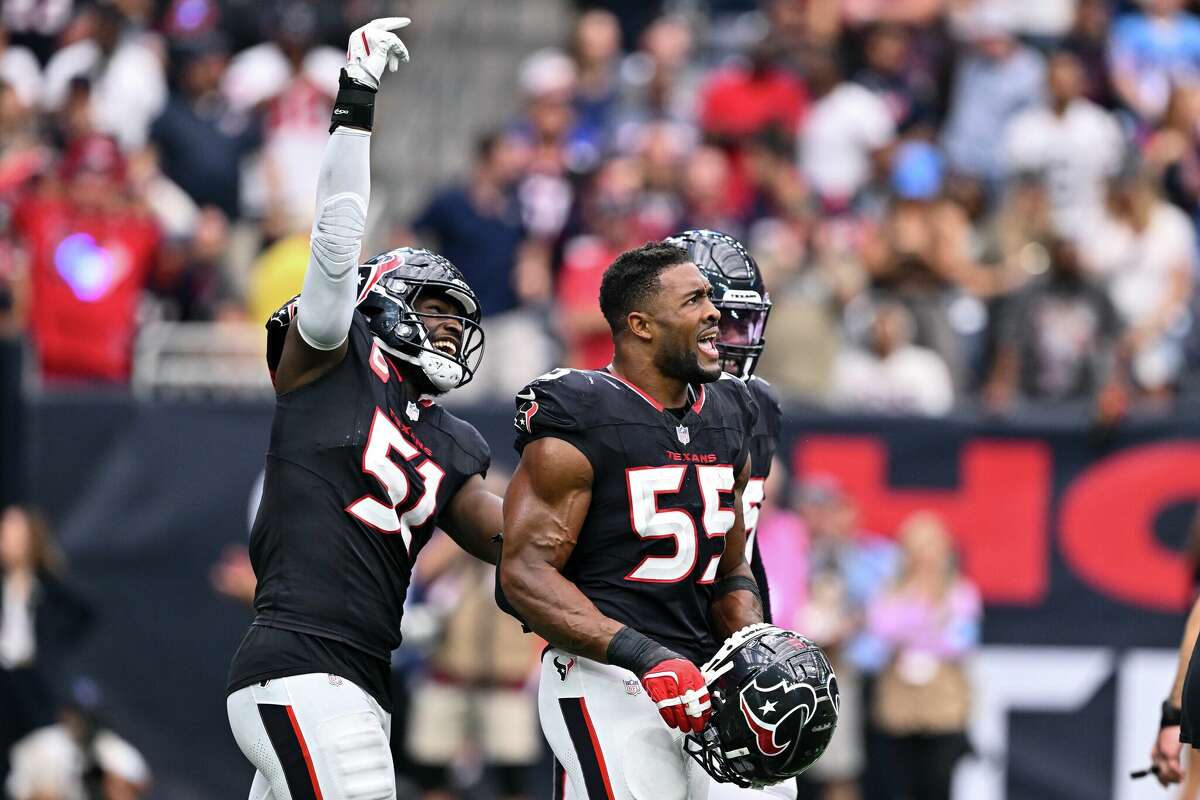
point(585, 749)
point(287, 749)
point(560, 781)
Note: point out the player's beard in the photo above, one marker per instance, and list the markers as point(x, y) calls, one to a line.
point(684, 365)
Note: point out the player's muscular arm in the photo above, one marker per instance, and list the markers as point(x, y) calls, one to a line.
point(317, 342)
point(544, 509)
point(736, 603)
point(473, 518)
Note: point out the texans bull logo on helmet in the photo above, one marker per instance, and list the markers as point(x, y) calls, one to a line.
point(375, 269)
point(775, 707)
point(775, 722)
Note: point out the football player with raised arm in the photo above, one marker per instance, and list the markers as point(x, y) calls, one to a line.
point(362, 465)
point(624, 535)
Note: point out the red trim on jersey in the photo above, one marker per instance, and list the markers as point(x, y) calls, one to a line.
point(312, 773)
point(587, 720)
point(365, 43)
point(657, 405)
point(696, 406)
point(378, 362)
point(393, 366)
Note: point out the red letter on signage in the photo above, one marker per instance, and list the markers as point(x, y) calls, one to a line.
point(998, 513)
point(1107, 524)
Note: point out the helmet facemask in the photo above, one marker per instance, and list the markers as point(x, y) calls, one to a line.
point(741, 339)
point(404, 332)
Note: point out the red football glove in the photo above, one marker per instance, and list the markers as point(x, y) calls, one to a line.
point(678, 689)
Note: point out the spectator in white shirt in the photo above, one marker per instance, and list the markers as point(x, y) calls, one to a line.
point(1145, 251)
point(295, 80)
point(892, 375)
point(1072, 144)
point(125, 69)
point(847, 129)
point(19, 69)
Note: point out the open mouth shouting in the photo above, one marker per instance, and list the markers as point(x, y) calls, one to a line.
point(707, 342)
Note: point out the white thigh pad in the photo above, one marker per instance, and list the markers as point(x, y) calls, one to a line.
point(356, 752)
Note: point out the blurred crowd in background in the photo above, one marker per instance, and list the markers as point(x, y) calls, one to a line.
point(956, 203)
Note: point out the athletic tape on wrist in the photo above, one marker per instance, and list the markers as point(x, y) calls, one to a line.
point(354, 106)
point(635, 652)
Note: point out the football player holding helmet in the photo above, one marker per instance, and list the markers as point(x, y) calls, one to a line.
point(624, 541)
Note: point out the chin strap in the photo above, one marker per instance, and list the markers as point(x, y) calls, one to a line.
point(443, 373)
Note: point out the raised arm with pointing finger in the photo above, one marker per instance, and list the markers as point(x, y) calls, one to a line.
point(318, 341)
point(363, 464)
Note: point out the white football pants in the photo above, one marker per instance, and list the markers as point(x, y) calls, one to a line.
point(313, 737)
point(609, 741)
point(727, 791)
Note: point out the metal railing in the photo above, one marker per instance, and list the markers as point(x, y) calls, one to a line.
point(200, 359)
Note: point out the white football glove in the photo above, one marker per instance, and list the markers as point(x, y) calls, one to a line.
point(373, 47)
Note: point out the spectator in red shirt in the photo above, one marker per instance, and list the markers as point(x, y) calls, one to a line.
point(611, 215)
point(746, 99)
point(91, 249)
point(751, 96)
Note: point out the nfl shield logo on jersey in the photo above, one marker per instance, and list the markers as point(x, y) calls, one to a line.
point(684, 434)
point(632, 687)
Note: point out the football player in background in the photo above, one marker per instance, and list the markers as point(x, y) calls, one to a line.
point(624, 534)
point(362, 465)
point(741, 296)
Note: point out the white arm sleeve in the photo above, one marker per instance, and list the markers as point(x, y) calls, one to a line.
point(331, 281)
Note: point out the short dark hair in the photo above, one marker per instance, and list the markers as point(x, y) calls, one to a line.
point(633, 278)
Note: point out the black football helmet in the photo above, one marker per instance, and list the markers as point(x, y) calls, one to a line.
point(775, 706)
point(389, 286)
point(738, 291)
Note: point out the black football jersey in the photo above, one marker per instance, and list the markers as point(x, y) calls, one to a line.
point(763, 443)
point(358, 470)
point(662, 495)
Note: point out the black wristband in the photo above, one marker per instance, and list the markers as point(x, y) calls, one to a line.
point(1171, 715)
point(736, 583)
point(635, 652)
point(354, 106)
